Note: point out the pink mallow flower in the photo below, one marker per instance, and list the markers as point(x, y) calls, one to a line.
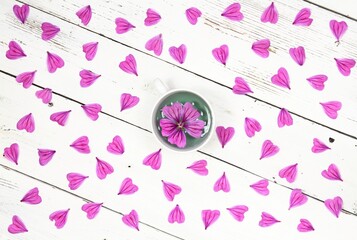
point(179, 120)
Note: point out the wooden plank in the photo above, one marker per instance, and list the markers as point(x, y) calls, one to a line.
point(153, 208)
point(230, 110)
point(107, 224)
point(318, 41)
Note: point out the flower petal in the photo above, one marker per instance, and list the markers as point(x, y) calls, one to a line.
point(178, 138)
point(199, 167)
point(222, 184)
point(209, 217)
point(176, 215)
point(194, 129)
point(270, 14)
point(289, 173)
point(192, 15)
point(167, 127)
point(267, 220)
point(303, 18)
point(238, 212)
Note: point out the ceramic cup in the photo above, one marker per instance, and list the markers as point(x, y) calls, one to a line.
point(182, 96)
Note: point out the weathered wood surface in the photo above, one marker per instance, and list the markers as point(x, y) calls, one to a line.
point(201, 73)
point(213, 30)
point(230, 109)
point(153, 208)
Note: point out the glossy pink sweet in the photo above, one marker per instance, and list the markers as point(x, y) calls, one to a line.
point(192, 15)
point(17, 226)
point(116, 146)
point(153, 160)
point(318, 81)
point(12, 153)
point(90, 49)
point(345, 65)
point(60, 218)
point(267, 220)
point(251, 126)
point(131, 220)
point(199, 167)
point(127, 187)
point(268, 149)
point(81, 144)
point(45, 95)
point(176, 215)
point(26, 78)
point(152, 17)
point(60, 117)
point(92, 110)
point(261, 47)
point(85, 14)
point(75, 180)
point(233, 12)
point(103, 169)
point(88, 78)
point(22, 12)
point(170, 190)
point(281, 79)
point(284, 118)
point(241, 87)
point(209, 217)
point(45, 156)
point(221, 54)
point(332, 173)
point(302, 18)
point(224, 134)
point(123, 25)
point(238, 212)
point(178, 53)
point(32, 197)
point(297, 198)
point(15, 51)
point(222, 184)
point(92, 209)
point(261, 187)
point(49, 31)
point(270, 14)
point(128, 101)
point(54, 62)
point(155, 44)
point(331, 108)
point(319, 146)
point(289, 173)
point(338, 29)
point(129, 65)
point(334, 205)
point(298, 55)
point(26, 123)
point(305, 226)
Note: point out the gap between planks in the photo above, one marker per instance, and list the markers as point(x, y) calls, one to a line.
point(189, 71)
point(330, 10)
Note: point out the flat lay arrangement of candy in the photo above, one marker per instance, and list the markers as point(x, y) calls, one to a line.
point(94, 148)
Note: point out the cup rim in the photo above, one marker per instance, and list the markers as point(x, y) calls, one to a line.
point(170, 146)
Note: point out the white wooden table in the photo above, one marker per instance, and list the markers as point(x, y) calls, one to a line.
point(201, 73)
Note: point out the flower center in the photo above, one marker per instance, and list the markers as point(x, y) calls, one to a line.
point(181, 125)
